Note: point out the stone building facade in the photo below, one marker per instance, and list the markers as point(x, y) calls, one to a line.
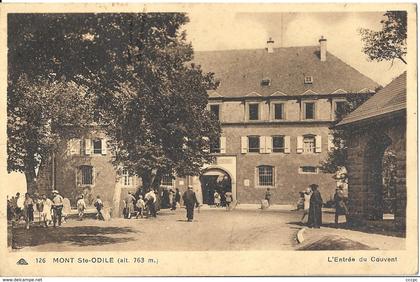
point(378, 129)
point(275, 106)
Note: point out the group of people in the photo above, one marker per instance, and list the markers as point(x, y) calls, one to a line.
point(311, 202)
point(222, 199)
point(147, 205)
point(50, 211)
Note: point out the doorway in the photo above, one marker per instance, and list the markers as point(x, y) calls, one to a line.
point(213, 180)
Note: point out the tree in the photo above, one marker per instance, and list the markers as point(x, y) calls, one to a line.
point(157, 117)
point(134, 68)
point(337, 158)
point(390, 43)
point(37, 117)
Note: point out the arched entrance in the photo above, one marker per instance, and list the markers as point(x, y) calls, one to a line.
point(215, 179)
point(378, 201)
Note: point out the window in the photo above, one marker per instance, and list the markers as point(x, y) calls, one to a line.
point(126, 178)
point(253, 111)
point(278, 111)
point(87, 175)
point(278, 144)
point(265, 82)
point(340, 108)
point(97, 146)
point(309, 144)
point(308, 169)
point(309, 109)
point(254, 144)
point(309, 79)
point(215, 110)
point(215, 146)
point(167, 180)
point(265, 176)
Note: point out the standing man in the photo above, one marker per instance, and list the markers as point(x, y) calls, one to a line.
point(315, 208)
point(81, 206)
point(151, 202)
point(130, 201)
point(189, 201)
point(340, 205)
point(57, 207)
point(28, 210)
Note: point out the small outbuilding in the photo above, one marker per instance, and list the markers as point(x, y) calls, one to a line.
point(377, 157)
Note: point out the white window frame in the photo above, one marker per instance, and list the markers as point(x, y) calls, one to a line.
point(273, 110)
point(126, 179)
point(165, 185)
point(284, 145)
point(220, 109)
point(313, 137)
point(248, 111)
point(259, 144)
point(309, 79)
point(304, 109)
point(81, 177)
point(93, 146)
point(257, 177)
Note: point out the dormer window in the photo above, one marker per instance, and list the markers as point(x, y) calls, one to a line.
point(266, 82)
point(309, 79)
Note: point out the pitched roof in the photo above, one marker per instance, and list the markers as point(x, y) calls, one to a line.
point(390, 99)
point(241, 72)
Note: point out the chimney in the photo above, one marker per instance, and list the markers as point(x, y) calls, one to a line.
point(270, 45)
point(323, 49)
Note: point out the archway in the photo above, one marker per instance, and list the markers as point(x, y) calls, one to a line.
point(215, 179)
point(374, 204)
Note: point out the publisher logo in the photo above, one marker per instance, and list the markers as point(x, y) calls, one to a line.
point(22, 261)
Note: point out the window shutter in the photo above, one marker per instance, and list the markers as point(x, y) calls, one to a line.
point(103, 146)
point(299, 146)
point(77, 146)
point(262, 145)
point(69, 147)
point(268, 144)
point(88, 145)
point(318, 144)
point(244, 144)
point(330, 142)
point(222, 145)
point(287, 144)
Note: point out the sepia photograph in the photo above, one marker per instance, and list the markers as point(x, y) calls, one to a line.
point(209, 129)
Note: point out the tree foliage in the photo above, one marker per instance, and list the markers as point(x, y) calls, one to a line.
point(132, 72)
point(337, 158)
point(390, 42)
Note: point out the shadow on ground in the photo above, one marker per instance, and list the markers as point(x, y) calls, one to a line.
point(334, 242)
point(78, 236)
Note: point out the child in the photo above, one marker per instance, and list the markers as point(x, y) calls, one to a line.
point(140, 205)
point(301, 201)
point(81, 206)
point(216, 199)
point(99, 205)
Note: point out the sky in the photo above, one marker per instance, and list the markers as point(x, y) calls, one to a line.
point(230, 30)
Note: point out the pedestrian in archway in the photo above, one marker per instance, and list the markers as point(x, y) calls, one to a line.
point(315, 208)
point(190, 200)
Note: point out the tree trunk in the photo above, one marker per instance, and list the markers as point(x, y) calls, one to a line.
point(31, 184)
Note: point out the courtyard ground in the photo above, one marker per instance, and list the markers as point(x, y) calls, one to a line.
point(245, 228)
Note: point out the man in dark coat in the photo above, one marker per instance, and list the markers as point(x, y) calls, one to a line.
point(189, 201)
point(315, 208)
point(340, 204)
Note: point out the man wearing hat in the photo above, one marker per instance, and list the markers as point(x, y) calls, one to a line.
point(189, 201)
point(340, 204)
point(57, 207)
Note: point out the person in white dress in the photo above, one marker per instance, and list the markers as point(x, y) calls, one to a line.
point(46, 210)
point(307, 198)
